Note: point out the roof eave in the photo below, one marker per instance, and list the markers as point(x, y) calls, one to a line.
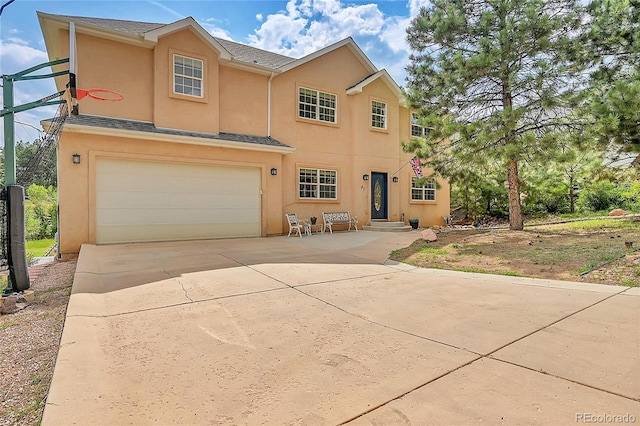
point(188, 22)
point(386, 78)
point(247, 66)
point(85, 28)
point(159, 137)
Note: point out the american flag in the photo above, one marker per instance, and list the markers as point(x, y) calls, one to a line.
point(416, 166)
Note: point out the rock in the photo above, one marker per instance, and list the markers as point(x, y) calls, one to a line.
point(429, 236)
point(617, 212)
point(12, 304)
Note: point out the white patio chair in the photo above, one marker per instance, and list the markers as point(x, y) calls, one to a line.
point(296, 225)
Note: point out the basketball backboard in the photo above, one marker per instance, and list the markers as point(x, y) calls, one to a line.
point(73, 71)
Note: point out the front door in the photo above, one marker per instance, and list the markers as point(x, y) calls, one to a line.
point(378, 195)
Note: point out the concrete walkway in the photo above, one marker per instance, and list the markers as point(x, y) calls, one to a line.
point(324, 330)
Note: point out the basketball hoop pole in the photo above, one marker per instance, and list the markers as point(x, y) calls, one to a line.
point(18, 267)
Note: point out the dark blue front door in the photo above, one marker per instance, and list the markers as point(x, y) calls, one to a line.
point(378, 195)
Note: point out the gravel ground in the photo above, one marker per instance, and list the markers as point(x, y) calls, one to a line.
point(29, 341)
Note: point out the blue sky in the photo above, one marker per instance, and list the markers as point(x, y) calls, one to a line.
point(293, 28)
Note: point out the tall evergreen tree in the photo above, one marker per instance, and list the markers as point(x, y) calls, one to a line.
point(613, 50)
point(493, 78)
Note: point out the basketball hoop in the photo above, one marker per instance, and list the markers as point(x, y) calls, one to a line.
point(100, 94)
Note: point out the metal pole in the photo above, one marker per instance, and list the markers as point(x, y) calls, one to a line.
point(9, 132)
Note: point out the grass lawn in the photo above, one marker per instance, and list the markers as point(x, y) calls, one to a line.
point(591, 251)
point(38, 248)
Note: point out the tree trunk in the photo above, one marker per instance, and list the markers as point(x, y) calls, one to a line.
point(572, 196)
point(516, 222)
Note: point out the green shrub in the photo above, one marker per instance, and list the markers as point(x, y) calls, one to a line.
point(41, 212)
point(599, 196)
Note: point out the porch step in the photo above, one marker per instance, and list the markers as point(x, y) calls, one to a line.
point(386, 227)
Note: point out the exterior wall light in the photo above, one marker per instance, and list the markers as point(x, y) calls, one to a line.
point(395, 179)
point(76, 158)
point(365, 177)
point(274, 171)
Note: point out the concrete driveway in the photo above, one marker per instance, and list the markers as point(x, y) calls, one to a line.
point(325, 330)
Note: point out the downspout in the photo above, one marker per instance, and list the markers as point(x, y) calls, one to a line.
point(269, 104)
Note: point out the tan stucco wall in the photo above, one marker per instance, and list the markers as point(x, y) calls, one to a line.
point(115, 66)
point(319, 145)
point(244, 96)
point(175, 111)
point(77, 181)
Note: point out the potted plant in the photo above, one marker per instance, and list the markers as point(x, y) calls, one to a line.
point(313, 220)
point(414, 222)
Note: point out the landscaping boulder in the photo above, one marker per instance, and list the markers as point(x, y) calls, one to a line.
point(617, 212)
point(12, 304)
point(429, 236)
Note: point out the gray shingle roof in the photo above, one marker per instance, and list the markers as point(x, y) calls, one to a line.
point(138, 126)
point(239, 52)
point(132, 28)
point(252, 55)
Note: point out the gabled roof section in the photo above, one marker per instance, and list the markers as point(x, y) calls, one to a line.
point(348, 42)
point(191, 23)
point(386, 78)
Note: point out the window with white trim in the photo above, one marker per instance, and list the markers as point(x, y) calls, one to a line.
point(317, 105)
point(424, 192)
point(416, 129)
point(378, 115)
point(318, 184)
point(187, 75)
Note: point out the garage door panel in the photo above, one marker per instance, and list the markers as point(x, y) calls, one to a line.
point(125, 234)
point(141, 200)
point(231, 216)
point(158, 201)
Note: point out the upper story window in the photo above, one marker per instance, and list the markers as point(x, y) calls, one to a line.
point(317, 105)
point(187, 76)
point(425, 192)
point(318, 184)
point(378, 115)
point(416, 129)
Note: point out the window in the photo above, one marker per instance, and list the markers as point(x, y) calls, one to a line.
point(416, 129)
point(318, 184)
point(378, 115)
point(316, 105)
point(426, 192)
point(187, 76)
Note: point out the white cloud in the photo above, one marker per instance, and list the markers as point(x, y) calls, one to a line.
point(394, 34)
point(308, 25)
point(215, 30)
point(16, 54)
point(305, 26)
point(415, 5)
point(259, 17)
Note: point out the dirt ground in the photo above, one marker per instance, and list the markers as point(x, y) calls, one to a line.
point(29, 341)
point(599, 256)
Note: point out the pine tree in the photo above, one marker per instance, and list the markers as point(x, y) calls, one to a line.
point(492, 79)
point(612, 42)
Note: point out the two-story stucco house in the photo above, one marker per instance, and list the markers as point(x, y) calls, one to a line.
point(218, 139)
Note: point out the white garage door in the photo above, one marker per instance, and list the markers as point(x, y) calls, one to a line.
point(161, 201)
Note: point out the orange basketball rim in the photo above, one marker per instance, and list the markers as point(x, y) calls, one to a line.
point(99, 94)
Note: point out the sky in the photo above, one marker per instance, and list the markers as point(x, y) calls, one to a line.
point(293, 28)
